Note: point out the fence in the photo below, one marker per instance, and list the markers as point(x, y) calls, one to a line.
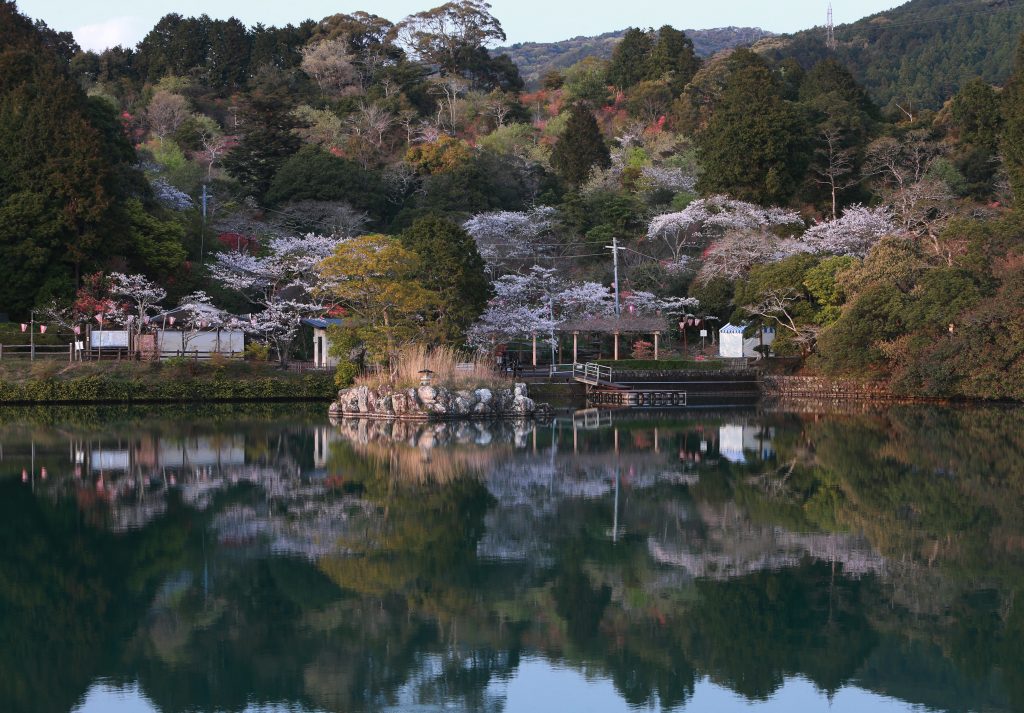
point(32, 352)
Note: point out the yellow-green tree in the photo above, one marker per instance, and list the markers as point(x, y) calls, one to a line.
point(374, 278)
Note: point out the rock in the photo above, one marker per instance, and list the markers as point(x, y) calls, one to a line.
point(484, 396)
point(362, 399)
point(523, 406)
point(427, 394)
point(399, 404)
point(519, 390)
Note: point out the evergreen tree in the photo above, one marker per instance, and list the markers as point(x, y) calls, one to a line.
point(630, 59)
point(451, 267)
point(977, 119)
point(673, 57)
point(63, 163)
point(580, 148)
point(268, 141)
point(1013, 130)
point(754, 147)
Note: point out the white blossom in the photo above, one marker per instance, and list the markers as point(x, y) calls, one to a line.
point(139, 292)
point(196, 312)
point(169, 196)
point(707, 218)
point(286, 283)
point(504, 238)
point(854, 233)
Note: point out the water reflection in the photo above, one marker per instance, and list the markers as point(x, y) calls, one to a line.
point(235, 559)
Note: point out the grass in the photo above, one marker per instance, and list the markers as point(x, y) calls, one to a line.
point(478, 370)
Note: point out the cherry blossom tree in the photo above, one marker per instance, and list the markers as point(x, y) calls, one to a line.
point(169, 196)
point(196, 312)
point(509, 239)
point(140, 293)
point(285, 284)
point(735, 253)
point(854, 233)
point(536, 303)
point(708, 218)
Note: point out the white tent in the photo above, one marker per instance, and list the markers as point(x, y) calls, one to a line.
point(733, 345)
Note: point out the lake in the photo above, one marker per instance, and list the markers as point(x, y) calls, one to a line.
point(260, 558)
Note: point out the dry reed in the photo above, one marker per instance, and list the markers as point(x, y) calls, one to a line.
point(452, 368)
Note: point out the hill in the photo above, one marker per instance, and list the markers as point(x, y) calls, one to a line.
point(919, 54)
point(535, 59)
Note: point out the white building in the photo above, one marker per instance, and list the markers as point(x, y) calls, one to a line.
point(733, 345)
point(322, 343)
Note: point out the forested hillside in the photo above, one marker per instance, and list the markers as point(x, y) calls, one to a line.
point(535, 59)
point(401, 175)
point(919, 54)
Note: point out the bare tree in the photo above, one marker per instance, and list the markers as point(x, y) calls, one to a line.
point(836, 164)
point(776, 306)
point(165, 113)
point(331, 65)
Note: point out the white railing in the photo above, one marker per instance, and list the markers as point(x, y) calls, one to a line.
point(592, 374)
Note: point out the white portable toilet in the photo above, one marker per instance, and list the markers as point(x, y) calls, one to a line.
point(733, 345)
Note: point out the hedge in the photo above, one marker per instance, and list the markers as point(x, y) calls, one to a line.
point(105, 389)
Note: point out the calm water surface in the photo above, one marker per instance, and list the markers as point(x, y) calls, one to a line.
point(262, 559)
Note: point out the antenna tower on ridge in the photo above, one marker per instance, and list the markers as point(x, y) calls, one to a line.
point(830, 30)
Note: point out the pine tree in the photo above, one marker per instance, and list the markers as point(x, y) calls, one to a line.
point(580, 148)
point(267, 143)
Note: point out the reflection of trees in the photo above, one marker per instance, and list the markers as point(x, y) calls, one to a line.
point(421, 600)
point(70, 595)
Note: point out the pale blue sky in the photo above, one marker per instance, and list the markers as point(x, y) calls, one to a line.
point(102, 23)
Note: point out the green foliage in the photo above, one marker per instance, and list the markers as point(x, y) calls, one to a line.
point(169, 382)
point(628, 65)
point(66, 175)
point(918, 54)
point(345, 374)
point(822, 283)
point(269, 141)
point(255, 351)
point(1012, 143)
point(758, 156)
point(314, 174)
point(452, 268)
point(587, 82)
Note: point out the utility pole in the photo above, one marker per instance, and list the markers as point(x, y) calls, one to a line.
point(202, 235)
point(614, 247)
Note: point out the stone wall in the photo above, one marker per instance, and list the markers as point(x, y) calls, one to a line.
point(818, 391)
point(434, 403)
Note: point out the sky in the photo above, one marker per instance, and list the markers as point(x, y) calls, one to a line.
point(104, 23)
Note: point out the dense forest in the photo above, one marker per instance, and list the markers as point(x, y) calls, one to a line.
point(535, 59)
point(918, 54)
point(456, 205)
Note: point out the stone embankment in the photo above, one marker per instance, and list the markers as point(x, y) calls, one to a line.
point(815, 394)
point(435, 403)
